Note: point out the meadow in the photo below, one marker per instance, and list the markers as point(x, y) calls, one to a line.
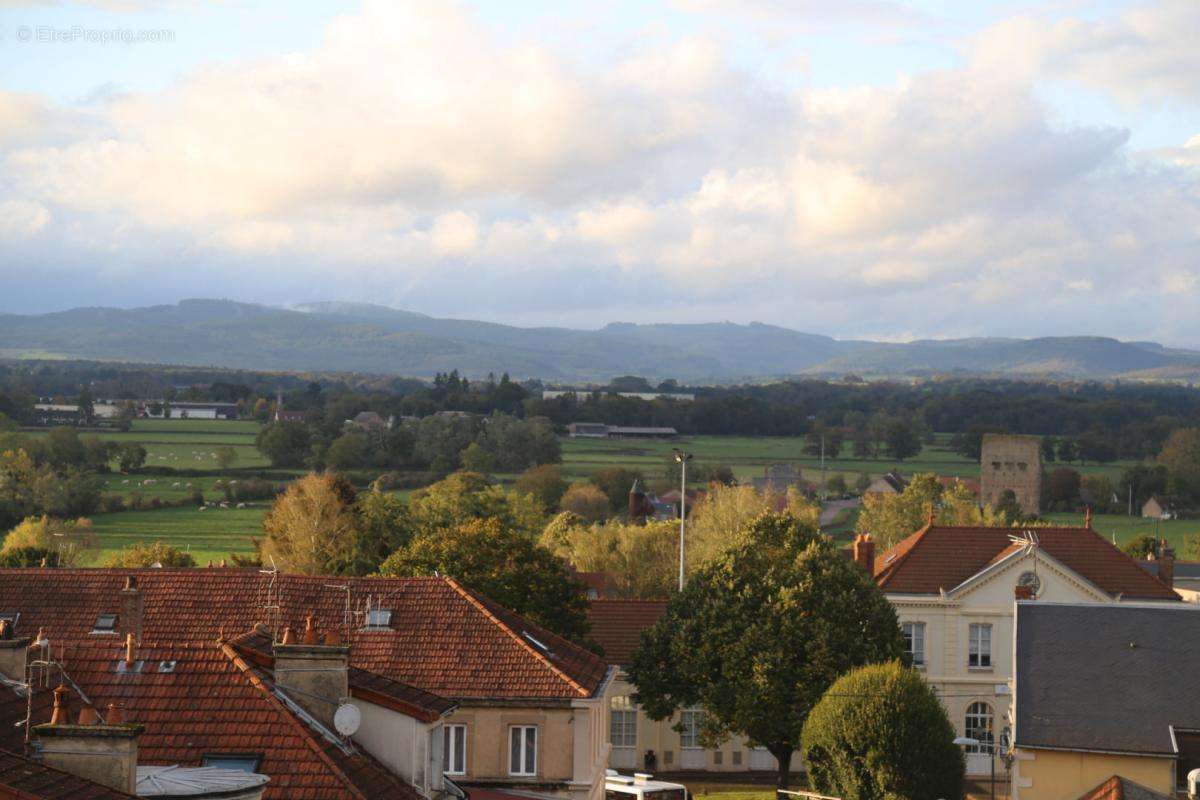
point(1119, 529)
point(209, 535)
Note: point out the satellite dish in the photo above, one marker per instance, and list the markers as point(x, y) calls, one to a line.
point(347, 718)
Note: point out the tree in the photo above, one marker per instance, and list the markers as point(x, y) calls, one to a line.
point(836, 484)
point(643, 560)
point(544, 483)
point(131, 456)
point(615, 482)
point(226, 456)
point(1068, 451)
point(890, 518)
point(284, 443)
point(1063, 485)
point(586, 501)
point(505, 565)
point(758, 635)
point(1180, 455)
point(902, 440)
point(70, 540)
point(477, 459)
point(464, 496)
point(880, 733)
point(311, 527)
point(1140, 547)
point(1049, 448)
point(1097, 492)
point(383, 526)
point(348, 451)
point(714, 522)
point(64, 448)
point(1139, 482)
point(159, 554)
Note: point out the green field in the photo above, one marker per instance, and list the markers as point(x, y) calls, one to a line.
point(189, 443)
point(1121, 528)
point(747, 456)
point(211, 534)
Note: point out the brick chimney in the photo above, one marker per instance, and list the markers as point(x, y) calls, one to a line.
point(864, 552)
point(106, 754)
point(12, 652)
point(132, 606)
point(314, 672)
point(1023, 592)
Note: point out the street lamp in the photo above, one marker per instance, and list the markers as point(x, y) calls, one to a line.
point(967, 741)
point(682, 458)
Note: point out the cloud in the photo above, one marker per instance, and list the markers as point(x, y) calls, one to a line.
point(419, 159)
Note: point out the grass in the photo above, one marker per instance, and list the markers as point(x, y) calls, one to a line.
point(1121, 528)
point(189, 443)
point(208, 535)
point(729, 791)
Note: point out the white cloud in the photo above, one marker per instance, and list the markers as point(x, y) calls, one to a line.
point(416, 158)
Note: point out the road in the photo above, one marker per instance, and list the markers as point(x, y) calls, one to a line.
point(831, 509)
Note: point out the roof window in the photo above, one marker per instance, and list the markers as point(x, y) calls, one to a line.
point(246, 762)
point(105, 623)
point(379, 618)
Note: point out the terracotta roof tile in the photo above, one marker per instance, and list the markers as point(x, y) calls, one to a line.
point(617, 625)
point(442, 638)
point(210, 701)
point(942, 557)
point(1119, 788)
point(24, 779)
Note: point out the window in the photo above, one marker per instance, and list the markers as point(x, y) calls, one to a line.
point(454, 750)
point(689, 728)
point(622, 723)
point(718, 757)
point(979, 726)
point(522, 750)
point(246, 762)
point(105, 623)
point(979, 645)
point(914, 642)
point(379, 618)
point(737, 758)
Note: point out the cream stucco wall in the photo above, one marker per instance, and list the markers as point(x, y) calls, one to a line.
point(487, 742)
point(408, 747)
point(1059, 774)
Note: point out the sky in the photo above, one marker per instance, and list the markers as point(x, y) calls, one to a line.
point(861, 168)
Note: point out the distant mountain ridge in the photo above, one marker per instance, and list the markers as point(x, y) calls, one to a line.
point(360, 337)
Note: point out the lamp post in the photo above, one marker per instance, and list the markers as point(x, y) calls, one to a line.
point(682, 458)
point(967, 741)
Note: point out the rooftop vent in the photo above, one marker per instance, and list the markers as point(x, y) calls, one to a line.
point(167, 666)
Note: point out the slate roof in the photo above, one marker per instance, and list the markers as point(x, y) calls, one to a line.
point(1120, 788)
point(26, 779)
point(210, 700)
point(1105, 677)
point(942, 557)
point(617, 625)
point(443, 638)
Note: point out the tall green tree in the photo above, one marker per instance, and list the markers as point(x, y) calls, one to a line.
point(505, 565)
point(758, 635)
point(902, 440)
point(1180, 454)
point(284, 443)
point(880, 733)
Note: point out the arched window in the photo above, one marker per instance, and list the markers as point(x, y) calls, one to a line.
point(979, 726)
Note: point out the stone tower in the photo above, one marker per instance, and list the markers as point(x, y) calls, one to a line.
point(1012, 463)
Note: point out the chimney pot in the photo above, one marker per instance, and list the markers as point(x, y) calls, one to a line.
point(863, 551)
point(130, 651)
point(310, 630)
point(289, 636)
point(6, 631)
point(58, 716)
point(88, 716)
point(113, 715)
point(332, 638)
point(131, 583)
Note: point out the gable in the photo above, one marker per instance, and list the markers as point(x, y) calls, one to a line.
point(995, 585)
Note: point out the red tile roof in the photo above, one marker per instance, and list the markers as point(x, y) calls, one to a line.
point(24, 779)
point(443, 638)
point(942, 557)
point(1119, 788)
point(617, 625)
point(210, 701)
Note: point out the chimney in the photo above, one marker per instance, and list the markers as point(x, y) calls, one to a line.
point(104, 753)
point(637, 502)
point(1166, 564)
point(315, 675)
point(12, 652)
point(1023, 592)
point(132, 605)
point(864, 552)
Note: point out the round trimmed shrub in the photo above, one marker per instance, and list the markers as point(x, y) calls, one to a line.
point(880, 733)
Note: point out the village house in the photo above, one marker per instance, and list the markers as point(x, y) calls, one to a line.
point(640, 743)
point(889, 483)
point(1104, 692)
point(441, 679)
point(953, 590)
point(1158, 507)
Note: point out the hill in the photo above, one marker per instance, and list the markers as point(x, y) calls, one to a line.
point(377, 339)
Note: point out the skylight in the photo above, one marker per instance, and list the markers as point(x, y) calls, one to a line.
point(106, 623)
point(379, 618)
point(247, 762)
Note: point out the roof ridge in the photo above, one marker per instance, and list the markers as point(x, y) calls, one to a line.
point(305, 733)
point(520, 640)
point(1156, 578)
